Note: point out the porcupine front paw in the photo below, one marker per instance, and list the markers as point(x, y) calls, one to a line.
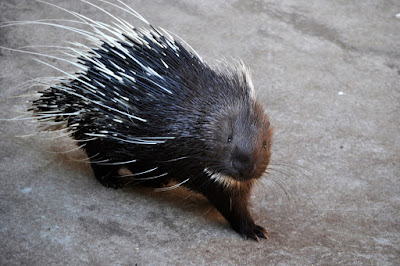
point(107, 176)
point(252, 231)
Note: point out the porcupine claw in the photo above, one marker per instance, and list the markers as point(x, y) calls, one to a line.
point(254, 232)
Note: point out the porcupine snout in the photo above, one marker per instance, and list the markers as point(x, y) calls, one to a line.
point(243, 164)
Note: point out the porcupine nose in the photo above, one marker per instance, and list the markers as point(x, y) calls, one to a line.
point(243, 164)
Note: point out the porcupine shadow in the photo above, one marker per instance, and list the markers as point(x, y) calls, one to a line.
point(64, 152)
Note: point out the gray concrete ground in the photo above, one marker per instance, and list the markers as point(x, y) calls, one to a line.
point(328, 73)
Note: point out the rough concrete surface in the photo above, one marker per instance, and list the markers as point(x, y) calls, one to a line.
point(328, 73)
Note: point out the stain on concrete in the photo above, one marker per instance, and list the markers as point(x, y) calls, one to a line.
point(109, 228)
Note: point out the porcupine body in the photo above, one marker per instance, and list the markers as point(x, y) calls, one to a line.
point(142, 101)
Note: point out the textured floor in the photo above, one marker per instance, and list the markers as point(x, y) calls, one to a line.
point(328, 73)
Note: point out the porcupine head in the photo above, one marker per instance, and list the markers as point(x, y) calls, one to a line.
point(239, 148)
point(146, 103)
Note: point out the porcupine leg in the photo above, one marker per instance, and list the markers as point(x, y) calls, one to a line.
point(107, 175)
point(232, 203)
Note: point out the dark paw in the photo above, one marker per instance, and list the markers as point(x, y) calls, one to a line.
point(254, 232)
point(112, 182)
point(111, 179)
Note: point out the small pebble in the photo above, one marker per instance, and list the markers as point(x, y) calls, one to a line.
point(26, 190)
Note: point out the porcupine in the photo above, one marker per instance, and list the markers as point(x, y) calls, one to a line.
point(143, 101)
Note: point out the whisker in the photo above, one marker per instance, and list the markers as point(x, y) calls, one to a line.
point(296, 182)
point(299, 168)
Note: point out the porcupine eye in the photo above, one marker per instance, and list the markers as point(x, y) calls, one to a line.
point(229, 139)
point(265, 145)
